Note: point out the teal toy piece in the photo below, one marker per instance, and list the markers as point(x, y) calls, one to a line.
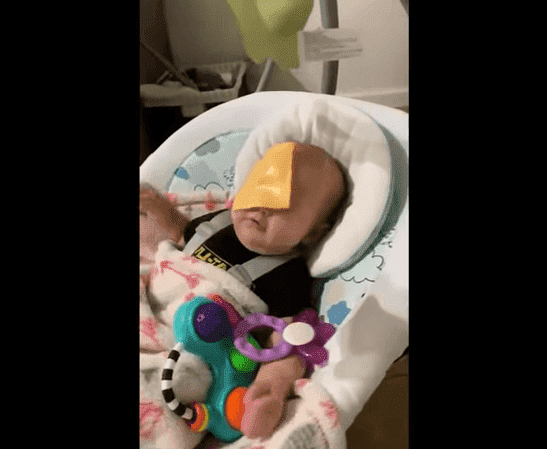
point(205, 327)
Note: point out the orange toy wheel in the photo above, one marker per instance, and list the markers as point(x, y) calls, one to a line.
point(202, 417)
point(234, 408)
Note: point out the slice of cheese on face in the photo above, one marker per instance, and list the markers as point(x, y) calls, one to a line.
point(269, 183)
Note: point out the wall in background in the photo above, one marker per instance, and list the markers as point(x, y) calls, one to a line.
point(154, 31)
point(207, 33)
point(380, 74)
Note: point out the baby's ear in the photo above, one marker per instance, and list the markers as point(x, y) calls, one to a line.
point(316, 234)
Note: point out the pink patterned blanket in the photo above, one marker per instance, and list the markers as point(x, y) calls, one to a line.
point(311, 419)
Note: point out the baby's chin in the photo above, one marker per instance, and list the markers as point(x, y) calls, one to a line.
point(258, 247)
point(261, 246)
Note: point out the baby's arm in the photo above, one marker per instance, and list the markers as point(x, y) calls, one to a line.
point(265, 398)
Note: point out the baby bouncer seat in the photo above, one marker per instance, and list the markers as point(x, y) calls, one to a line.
point(361, 270)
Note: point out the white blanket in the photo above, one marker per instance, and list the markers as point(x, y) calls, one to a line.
point(372, 336)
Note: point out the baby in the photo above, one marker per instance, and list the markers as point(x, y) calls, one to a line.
point(270, 216)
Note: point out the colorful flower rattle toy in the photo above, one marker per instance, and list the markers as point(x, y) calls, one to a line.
point(305, 336)
point(211, 328)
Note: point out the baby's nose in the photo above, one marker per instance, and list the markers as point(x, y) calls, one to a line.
point(261, 210)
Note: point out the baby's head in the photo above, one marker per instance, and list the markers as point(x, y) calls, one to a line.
point(317, 191)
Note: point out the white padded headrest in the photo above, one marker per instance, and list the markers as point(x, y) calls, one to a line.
point(357, 142)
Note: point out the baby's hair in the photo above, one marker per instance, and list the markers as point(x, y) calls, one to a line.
point(336, 212)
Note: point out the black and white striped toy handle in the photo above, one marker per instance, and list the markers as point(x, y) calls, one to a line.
point(184, 411)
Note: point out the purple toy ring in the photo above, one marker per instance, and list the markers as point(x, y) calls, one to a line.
point(253, 321)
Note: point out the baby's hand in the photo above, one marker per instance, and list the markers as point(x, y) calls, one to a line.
point(265, 399)
point(264, 404)
point(159, 220)
point(154, 204)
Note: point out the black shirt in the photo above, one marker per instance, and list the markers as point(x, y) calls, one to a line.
point(286, 289)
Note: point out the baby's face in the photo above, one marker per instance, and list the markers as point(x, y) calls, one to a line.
point(272, 231)
point(316, 188)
